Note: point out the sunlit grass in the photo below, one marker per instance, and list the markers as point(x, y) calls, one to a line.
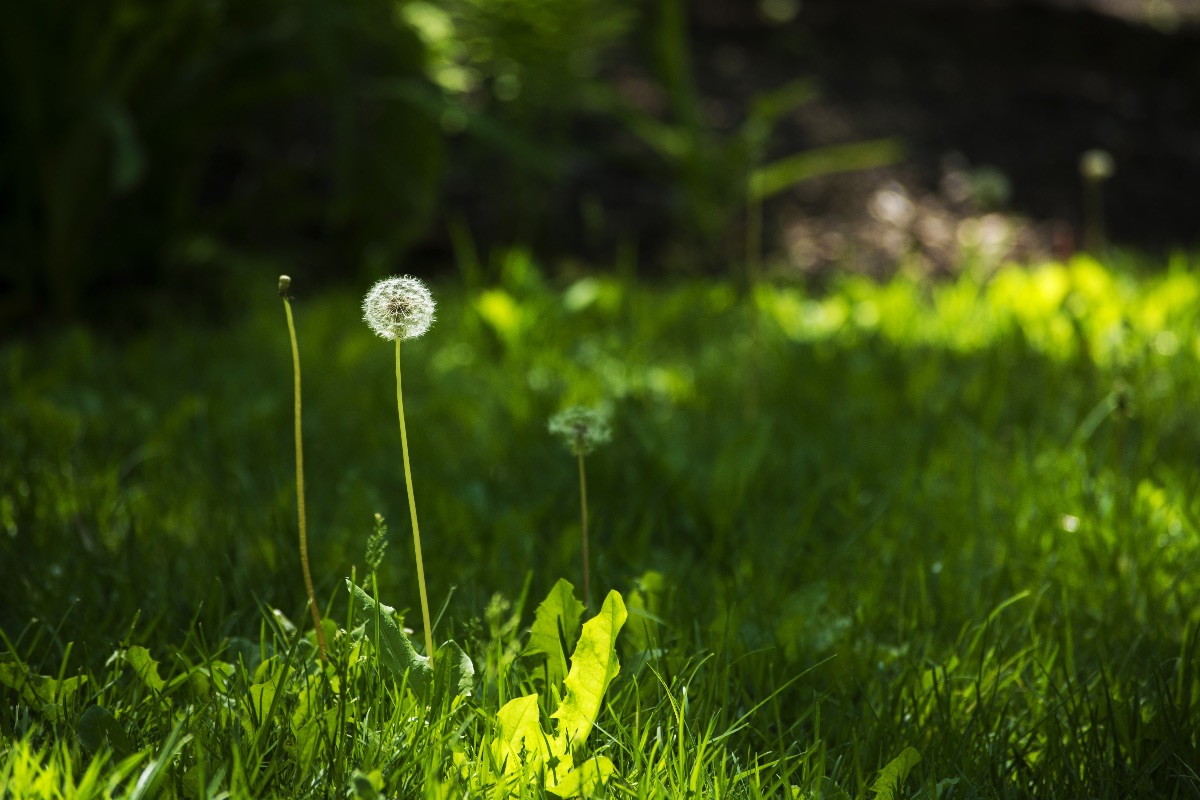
point(964, 520)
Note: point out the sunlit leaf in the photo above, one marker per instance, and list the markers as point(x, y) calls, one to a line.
point(892, 777)
point(593, 666)
point(145, 667)
point(556, 621)
point(584, 779)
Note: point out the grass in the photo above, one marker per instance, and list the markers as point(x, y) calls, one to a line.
point(964, 520)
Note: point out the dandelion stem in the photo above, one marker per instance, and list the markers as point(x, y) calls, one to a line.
point(412, 507)
point(587, 596)
point(308, 583)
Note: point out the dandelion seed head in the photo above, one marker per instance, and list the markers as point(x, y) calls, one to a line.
point(581, 428)
point(399, 308)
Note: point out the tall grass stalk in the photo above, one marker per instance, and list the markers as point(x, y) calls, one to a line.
point(284, 284)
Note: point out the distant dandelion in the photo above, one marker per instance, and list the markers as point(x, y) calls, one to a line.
point(581, 428)
point(399, 308)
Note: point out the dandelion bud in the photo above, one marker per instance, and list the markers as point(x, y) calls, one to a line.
point(399, 308)
point(582, 429)
point(285, 283)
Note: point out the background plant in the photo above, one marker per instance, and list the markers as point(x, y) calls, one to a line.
point(144, 142)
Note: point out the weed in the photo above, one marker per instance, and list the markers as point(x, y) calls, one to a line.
point(399, 309)
point(285, 284)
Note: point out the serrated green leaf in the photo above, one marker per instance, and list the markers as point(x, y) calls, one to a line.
point(455, 672)
point(395, 649)
point(593, 666)
point(892, 777)
point(145, 667)
point(557, 620)
point(96, 726)
point(49, 696)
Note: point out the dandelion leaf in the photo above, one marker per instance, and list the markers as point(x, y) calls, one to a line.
point(97, 726)
point(522, 749)
point(593, 666)
point(48, 695)
point(145, 667)
point(892, 777)
point(583, 780)
point(455, 672)
point(520, 740)
point(395, 649)
point(555, 623)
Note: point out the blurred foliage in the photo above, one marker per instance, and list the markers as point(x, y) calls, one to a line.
point(161, 148)
point(517, 76)
point(143, 138)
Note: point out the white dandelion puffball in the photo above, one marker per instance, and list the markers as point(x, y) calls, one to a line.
point(399, 308)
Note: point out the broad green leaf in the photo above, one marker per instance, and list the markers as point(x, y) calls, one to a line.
point(257, 705)
point(454, 671)
point(145, 667)
point(519, 740)
point(98, 725)
point(395, 649)
point(785, 173)
point(556, 621)
point(593, 666)
point(892, 777)
point(583, 780)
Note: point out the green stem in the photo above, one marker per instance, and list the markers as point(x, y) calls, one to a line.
point(412, 507)
point(308, 583)
point(587, 595)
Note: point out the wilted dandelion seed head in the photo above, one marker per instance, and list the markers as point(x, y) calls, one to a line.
point(399, 308)
point(582, 429)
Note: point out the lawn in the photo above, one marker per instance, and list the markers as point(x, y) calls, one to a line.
point(913, 539)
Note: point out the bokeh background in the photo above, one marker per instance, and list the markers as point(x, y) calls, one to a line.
point(155, 155)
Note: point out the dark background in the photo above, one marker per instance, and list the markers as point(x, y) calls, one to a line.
point(153, 154)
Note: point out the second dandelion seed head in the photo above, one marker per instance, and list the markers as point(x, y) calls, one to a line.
point(581, 428)
point(399, 308)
